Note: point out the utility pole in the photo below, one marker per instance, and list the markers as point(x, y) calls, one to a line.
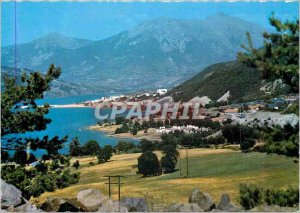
point(116, 183)
point(187, 160)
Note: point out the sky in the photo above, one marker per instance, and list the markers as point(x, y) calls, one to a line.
point(98, 20)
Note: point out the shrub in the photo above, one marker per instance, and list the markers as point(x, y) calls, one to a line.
point(42, 168)
point(124, 146)
point(250, 196)
point(41, 183)
point(67, 178)
point(149, 165)
point(289, 197)
point(247, 144)
point(105, 154)
point(168, 163)
point(76, 164)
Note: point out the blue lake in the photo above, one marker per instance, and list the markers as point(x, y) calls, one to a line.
point(73, 122)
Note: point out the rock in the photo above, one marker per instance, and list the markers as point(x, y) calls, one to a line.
point(27, 207)
point(90, 199)
point(226, 205)
point(60, 205)
point(112, 206)
point(203, 200)
point(175, 208)
point(10, 195)
point(273, 208)
point(135, 204)
point(190, 207)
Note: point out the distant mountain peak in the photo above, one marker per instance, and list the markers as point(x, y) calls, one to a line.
point(54, 35)
point(58, 40)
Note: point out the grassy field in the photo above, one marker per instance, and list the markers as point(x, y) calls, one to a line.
point(212, 170)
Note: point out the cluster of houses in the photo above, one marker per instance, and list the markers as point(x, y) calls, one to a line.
point(217, 114)
point(130, 100)
point(186, 129)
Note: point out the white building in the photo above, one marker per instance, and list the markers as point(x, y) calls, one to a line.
point(161, 91)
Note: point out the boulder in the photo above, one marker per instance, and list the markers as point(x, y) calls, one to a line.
point(10, 195)
point(226, 205)
point(190, 207)
point(60, 205)
point(274, 208)
point(203, 200)
point(27, 207)
point(112, 206)
point(90, 199)
point(134, 204)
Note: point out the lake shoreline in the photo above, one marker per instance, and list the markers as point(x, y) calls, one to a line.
point(110, 132)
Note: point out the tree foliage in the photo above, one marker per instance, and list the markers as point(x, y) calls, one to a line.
point(280, 54)
point(149, 165)
point(91, 148)
point(283, 140)
point(21, 114)
point(75, 147)
point(105, 153)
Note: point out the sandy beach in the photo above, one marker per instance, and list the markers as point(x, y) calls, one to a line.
point(110, 132)
point(70, 106)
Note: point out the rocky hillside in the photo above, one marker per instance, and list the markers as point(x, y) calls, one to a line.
point(241, 81)
point(59, 88)
point(162, 52)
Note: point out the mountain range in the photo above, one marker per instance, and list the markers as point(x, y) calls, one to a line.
point(159, 53)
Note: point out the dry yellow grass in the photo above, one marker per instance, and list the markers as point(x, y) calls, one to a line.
point(172, 188)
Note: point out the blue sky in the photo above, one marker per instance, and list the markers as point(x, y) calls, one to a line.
point(95, 21)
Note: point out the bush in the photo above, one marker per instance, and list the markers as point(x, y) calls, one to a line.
point(148, 164)
point(76, 164)
point(247, 144)
point(237, 133)
point(168, 163)
point(41, 183)
point(42, 168)
point(124, 146)
point(105, 154)
point(67, 178)
point(289, 197)
point(250, 196)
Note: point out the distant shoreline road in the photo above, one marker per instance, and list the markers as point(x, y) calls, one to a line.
point(71, 106)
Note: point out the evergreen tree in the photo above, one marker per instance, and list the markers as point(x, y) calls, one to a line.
point(20, 113)
point(280, 54)
point(74, 147)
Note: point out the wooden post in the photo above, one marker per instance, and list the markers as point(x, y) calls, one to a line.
point(119, 183)
point(187, 163)
point(109, 189)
